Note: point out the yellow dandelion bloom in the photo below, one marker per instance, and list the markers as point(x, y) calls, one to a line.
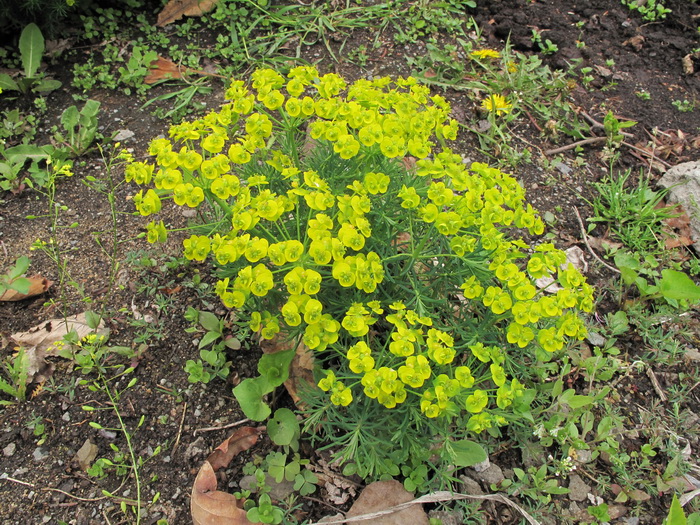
point(485, 54)
point(496, 103)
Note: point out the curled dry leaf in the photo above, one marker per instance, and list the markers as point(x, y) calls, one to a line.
point(164, 69)
point(209, 506)
point(176, 9)
point(39, 342)
point(383, 495)
point(37, 286)
point(44, 335)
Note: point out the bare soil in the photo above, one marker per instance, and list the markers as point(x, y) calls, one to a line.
point(43, 482)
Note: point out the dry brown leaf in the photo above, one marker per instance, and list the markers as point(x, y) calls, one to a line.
point(382, 495)
point(39, 341)
point(37, 286)
point(44, 335)
point(677, 242)
point(302, 366)
point(636, 42)
point(176, 9)
point(165, 69)
point(603, 244)
point(209, 506)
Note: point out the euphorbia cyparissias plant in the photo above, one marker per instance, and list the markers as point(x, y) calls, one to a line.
point(337, 214)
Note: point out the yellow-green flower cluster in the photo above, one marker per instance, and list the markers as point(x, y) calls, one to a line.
point(318, 228)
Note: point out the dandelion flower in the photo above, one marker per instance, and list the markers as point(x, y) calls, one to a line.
point(485, 54)
point(497, 103)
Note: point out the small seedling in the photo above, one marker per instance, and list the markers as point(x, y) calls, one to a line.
point(31, 48)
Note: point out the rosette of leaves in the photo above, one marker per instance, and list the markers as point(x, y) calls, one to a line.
point(338, 215)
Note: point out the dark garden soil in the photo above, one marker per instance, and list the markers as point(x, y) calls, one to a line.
point(44, 484)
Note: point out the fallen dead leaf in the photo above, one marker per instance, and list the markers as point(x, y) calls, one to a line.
point(210, 506)
point(382, 495)
point(636, 42)
point(687, 61)
point(37, 286)
point(339, 489)
point(176, 9)
point(165, 69)
point(44, 335)
point(603, 244)
point(40, 341)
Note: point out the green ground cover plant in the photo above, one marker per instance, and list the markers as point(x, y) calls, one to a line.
point(420, 311)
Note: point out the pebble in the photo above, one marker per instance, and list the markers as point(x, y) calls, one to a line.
point(65, 416)
point(107, 434)
point(578, 490)
point(9, 450)
point(492, 475)
point(123, 134)
point(39, 454)
point(470, 486)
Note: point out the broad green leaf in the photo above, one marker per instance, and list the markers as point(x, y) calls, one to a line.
point(208, 338)
point(283, 428)
point(90, 109)
point(6, 83)
point(677, 285)
point(21, 285)
point(21, 266)
point(249, 394)
point(676, 516)
point(93, 319)
point(47, 85)
point(31, 48)
point(466, 453)
point(580, 401)
point(275, 367)
point(209, 321)
point(26, 151)
point(69, 118)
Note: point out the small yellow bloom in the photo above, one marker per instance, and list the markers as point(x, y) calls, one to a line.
point(485, 54)
point(496, 103)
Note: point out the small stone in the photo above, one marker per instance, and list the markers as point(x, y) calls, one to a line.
point(197, 448)
point(470, 486)
point(65, 417)
point(39, 454)
point(578, 490)
point(563, 168)
point(107, 434)
point(595, 339)
point(9, 450)
point(492, 475)
point(123, 134)
point(584, 456)
point(480, 467)
point(248, 483)
point(616, 511)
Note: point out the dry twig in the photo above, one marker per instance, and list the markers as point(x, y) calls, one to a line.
point(230, 425)
point(585, 240)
